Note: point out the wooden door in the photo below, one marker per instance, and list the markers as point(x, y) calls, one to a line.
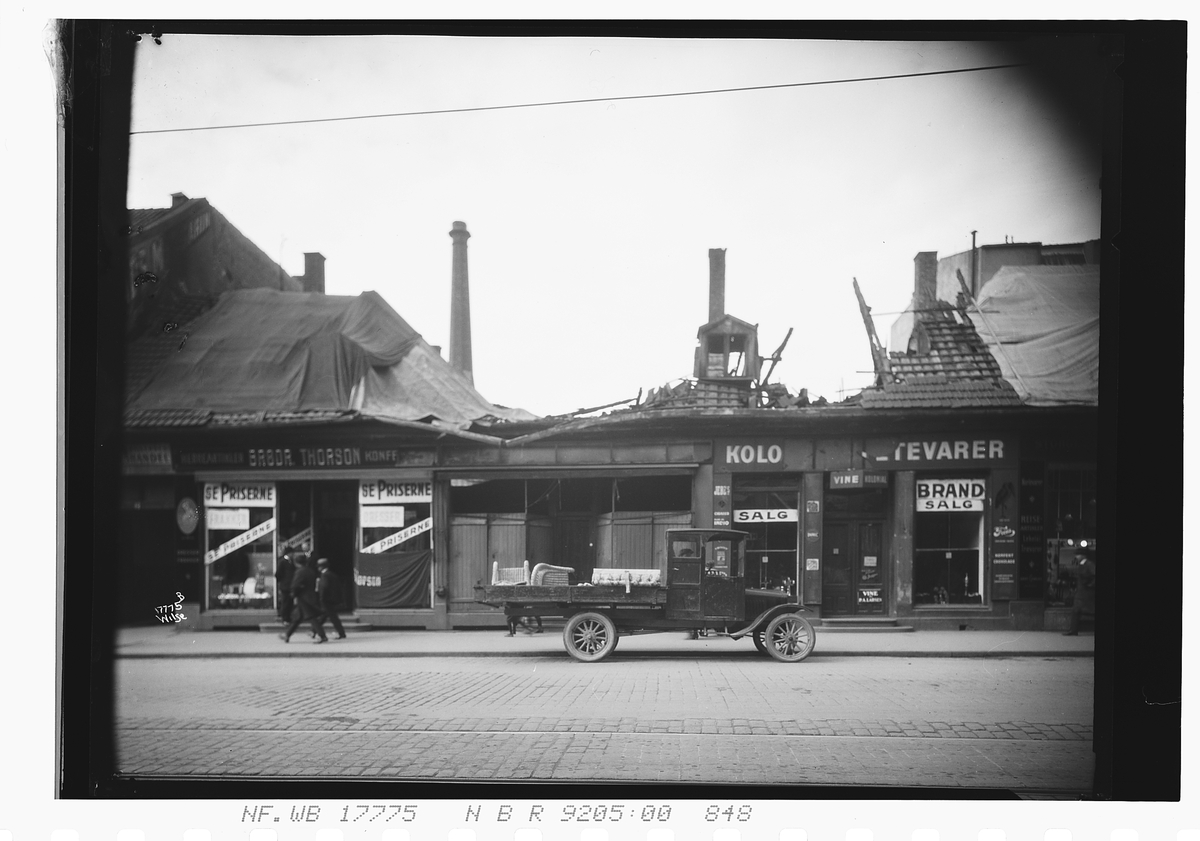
point(868, 560)
point(837, 571)
point(852, 580)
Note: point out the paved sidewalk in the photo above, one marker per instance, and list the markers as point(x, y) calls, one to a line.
point(164, 641)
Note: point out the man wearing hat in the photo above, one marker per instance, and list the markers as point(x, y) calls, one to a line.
point(285, 570)
point(304, 591)
point(329, 593)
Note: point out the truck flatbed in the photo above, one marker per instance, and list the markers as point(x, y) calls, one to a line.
point(503, 595)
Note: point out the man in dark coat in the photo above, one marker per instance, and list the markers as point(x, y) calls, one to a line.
point(285, 571)
point(304, 591)
point(329, 594)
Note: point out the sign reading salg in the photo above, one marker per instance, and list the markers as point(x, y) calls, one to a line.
point(766, 515)
point(950, 494)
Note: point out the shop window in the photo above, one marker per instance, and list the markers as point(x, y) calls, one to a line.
point(772, 519)
point(1070, 528)
point(240, 520)
point(948, 557)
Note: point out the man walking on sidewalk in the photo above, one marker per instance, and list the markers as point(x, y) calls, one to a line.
point(329, 594)
point(304, 591)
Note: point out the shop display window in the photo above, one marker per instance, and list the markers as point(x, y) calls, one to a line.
point(243, 577)
point(1071, 527)
point(948, 558)
point(771, 548)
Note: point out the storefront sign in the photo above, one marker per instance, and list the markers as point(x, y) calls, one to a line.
point(381, 516)
point(812, 564)
point(857, 479)
point(300, 538)
point(767, 515)
point(950, 494)
point(298, 458)
point(720, 519)
point(147, 458)
point(846, 479)
point(870, 560)
point(753, 454)
point(749, 455)
point(261, 530)
point(941, 451)
point(239, 494)
point(1006, 503)
point(399, 537)
point(229, 519)
point(390, 491)
point(869, 596)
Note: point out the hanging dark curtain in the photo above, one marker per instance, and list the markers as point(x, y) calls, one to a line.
point(393, 579)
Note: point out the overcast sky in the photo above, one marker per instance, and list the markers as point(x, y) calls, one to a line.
point(591, 223)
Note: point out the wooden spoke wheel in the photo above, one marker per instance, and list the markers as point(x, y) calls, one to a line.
point(790, 638)
point(589, 636)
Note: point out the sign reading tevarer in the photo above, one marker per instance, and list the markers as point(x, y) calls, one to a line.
point(951, 494)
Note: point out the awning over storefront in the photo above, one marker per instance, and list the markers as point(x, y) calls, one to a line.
point(262, 349)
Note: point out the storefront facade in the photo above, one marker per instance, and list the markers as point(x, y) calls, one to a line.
point(232, 505)
point(945, 522)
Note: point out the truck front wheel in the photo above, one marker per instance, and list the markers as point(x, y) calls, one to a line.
point(589, 636)
point(790, 638)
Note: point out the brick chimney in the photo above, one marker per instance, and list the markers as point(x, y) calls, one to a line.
point(178, 199)
point(925, 286)
point(460, 303)
point(716, 283)
point(314, 272)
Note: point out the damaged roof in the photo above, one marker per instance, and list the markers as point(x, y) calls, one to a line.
point(294, 355)
point(949, 367)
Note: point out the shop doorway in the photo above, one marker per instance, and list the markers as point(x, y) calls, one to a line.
point(852, 581)
point(334, 510)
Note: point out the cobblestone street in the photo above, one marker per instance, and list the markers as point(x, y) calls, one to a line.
point(1022, 723)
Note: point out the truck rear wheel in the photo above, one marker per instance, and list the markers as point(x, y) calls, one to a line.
point(589, 636)
point(790, 638)
point(758, 642)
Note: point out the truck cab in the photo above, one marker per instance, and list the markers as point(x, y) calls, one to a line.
point(706, 574)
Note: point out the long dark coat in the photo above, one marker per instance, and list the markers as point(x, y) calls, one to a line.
point(304, 591)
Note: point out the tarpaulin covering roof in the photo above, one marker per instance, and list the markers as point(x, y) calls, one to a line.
point(266, 350)
point(1042, 324)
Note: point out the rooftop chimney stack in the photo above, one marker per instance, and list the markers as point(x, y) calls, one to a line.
point(178, 199)
point(925, 287)
point(460, 303)
point(314, 272)
point(716, 283)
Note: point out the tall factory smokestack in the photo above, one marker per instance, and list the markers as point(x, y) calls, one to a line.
point(460, 303)
point(716, 283)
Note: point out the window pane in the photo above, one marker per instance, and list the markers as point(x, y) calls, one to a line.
point(964, 531)
point(932, 530)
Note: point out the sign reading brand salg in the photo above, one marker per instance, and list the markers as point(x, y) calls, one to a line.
point(951, 494)
point(767, 515)
point(391, 491)
point(239, 494)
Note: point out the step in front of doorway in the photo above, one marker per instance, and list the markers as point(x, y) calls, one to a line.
point(350, 623)
point(862, 624)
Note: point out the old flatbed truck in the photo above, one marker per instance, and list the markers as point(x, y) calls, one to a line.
point(705, 591)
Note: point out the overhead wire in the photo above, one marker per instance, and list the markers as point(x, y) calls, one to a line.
point(576, 101)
